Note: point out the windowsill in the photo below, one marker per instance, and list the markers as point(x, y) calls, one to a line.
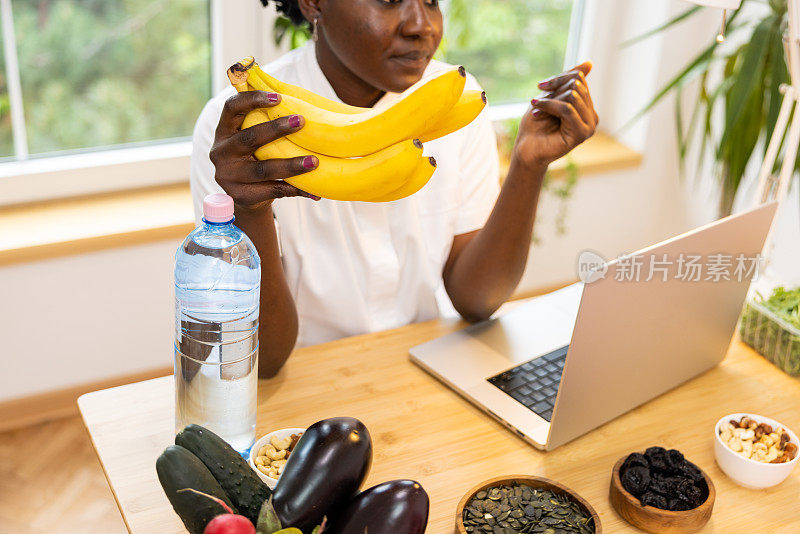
point(86, 224)
point(600, 154)
point(90, 173)
point(81, 225)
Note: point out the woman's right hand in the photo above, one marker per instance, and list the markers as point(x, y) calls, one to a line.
point(250, 182)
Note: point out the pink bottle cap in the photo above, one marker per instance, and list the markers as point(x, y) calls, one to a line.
point(218, 208)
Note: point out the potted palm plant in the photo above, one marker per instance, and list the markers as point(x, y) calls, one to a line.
point(747, 95)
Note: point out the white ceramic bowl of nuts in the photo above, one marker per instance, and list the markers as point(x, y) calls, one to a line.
point(755, 451)
point(269, 454)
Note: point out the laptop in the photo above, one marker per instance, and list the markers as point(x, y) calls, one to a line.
point(557, 366)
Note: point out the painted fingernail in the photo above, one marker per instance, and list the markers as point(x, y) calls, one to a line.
point(273, 97)
point(537, 112)
point(294, 121)
point(310, 162)
point(543, 85)
point(534, 101)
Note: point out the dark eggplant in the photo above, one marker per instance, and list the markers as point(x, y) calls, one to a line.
point(325, 470)
point(396, 507)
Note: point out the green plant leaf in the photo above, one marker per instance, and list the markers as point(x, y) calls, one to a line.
point(690, 72)
point(698, 65)
point(708, 128)
point(748, 95)
point(682, 143)
point(748, 75)
point(672, 22)
point(778, 75)
point(739, 149)
point(700, 103)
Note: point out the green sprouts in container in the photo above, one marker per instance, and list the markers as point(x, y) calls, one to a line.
point(772, 327)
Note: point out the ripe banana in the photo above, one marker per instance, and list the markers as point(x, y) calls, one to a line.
point(383, 173)
point(416, 110)
point(284, 88)
point(468, 107)
point(416, 182)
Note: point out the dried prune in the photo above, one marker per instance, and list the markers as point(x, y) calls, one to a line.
point(636, 479)
point(664, 479)
point(690, 471)
point(665, 485)
point(675, 461)
point(657, 456)
point(690, 493)
point(633, 459)
point(703, 487)
point(653, 499)
point(678, 505)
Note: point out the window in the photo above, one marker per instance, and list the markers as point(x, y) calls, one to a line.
point(6, 136)
point(511, 45)
point(98, 73)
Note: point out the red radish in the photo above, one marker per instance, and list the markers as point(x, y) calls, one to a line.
point(229, 523)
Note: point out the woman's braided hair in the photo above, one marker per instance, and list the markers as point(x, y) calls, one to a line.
point(290, 9)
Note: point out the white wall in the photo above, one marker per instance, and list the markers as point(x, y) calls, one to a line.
point(84, 318)
point(70, 320)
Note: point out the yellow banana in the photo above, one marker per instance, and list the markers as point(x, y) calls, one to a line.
point(465, 110)
point(321, 102)
point(416, 182)
point(364, 178)
point(416, 110)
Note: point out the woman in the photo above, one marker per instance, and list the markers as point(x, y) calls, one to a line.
point(351, 267)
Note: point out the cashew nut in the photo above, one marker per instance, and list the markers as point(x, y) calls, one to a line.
point(276, 455)
point(279, 443)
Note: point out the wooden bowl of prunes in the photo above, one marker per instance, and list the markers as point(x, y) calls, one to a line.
point(660, 491)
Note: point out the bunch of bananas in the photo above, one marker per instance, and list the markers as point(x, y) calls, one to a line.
point(365, 154)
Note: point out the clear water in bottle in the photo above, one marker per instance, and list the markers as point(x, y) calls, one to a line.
point(217, 280)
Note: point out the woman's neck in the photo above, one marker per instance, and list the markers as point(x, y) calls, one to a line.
point(348, 87)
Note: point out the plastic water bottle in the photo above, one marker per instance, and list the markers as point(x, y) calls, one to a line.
point(217, 280)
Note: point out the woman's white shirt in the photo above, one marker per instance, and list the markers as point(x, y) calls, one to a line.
point(356, 267)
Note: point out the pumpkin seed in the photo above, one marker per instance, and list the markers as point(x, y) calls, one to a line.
point(520, 509)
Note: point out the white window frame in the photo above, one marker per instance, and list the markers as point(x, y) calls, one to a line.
point(163, 163)
point(32, 179)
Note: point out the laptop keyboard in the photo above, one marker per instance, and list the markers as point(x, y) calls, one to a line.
point(535, 383)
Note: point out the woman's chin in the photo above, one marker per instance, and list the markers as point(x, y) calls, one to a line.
point(404, 76)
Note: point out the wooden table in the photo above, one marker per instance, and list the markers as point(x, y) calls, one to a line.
point(423, 430)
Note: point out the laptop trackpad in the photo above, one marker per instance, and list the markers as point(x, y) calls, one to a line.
point(530, 330)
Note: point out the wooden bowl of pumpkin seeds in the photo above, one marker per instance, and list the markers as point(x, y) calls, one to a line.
point(525, 505)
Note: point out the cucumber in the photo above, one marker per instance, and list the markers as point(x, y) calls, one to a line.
point(233, 473)
point(177, 469)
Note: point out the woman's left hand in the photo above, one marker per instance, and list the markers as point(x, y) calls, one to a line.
point(558, 121)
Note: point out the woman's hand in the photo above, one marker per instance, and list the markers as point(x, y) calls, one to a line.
point(557, 122)
point(250, 182)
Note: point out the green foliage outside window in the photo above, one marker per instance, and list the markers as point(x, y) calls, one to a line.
point(104, 72)
point(6, 140)
point(509, 45)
